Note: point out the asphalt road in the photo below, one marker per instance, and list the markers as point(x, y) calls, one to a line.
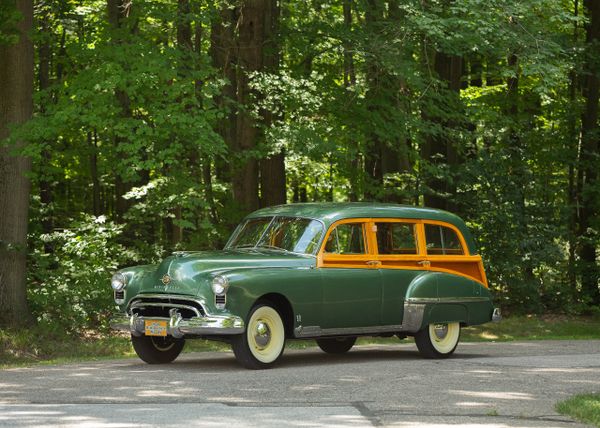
point(512, 384)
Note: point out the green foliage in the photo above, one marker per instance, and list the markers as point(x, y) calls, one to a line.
point(68, 286)
point(9, 19)
point(133, 127)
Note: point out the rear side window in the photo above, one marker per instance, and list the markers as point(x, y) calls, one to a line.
point(442, 240)
point(396, 238)
point(347, 238)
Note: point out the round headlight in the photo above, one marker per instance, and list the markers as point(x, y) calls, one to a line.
point(118, 281)
point(219, 285)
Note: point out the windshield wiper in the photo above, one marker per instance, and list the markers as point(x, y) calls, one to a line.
point(273, 247)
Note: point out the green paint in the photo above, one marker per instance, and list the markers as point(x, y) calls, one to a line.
point(328, 298)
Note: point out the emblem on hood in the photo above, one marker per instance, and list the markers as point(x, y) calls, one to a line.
point(166, 279)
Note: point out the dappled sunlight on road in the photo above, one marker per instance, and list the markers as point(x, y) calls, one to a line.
point(490, 385)
point(495, 395)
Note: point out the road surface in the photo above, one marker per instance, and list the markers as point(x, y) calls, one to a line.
point(514, 384)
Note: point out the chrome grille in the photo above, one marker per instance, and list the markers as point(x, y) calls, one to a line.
point(158, 305)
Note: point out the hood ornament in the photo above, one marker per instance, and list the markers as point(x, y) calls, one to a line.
point(166, 279)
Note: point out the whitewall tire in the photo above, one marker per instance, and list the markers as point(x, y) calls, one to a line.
point(264, 340)
point(438, 340)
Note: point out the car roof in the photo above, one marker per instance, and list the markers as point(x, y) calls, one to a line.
point(330, 212)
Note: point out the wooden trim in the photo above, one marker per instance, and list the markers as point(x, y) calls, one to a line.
point(359, 261)
point(455, 229)
point(347, 260)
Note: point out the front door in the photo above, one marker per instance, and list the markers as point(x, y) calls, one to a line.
point(351, 282)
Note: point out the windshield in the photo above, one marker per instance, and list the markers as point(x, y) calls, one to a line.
point(295, 234)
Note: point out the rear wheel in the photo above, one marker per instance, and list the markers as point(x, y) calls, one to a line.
point(336, 345)
point(157, 350)
point(438, 340)
point(262, 344)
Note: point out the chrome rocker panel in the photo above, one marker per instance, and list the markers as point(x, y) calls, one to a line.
point(179, 327)
point(411, 323)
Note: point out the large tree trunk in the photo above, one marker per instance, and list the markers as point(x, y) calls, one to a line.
point(439, 150)
point(590, 132)
point(272, 169)
point(223, 54)
point(250, 53)
point(374, 152)
point(16, 107)
point(118, 13)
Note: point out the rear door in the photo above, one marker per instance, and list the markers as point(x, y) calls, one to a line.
point(401, 253)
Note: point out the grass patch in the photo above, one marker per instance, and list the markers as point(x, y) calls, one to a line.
point(585, 408)
point(43, 345)
point(532, 327)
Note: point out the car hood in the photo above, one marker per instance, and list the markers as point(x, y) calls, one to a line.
point(189, 272)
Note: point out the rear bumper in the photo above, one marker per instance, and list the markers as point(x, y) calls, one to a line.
point(179, 327)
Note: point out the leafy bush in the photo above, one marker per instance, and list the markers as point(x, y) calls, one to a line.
point(69, 285)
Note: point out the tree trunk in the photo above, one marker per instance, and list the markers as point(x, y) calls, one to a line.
point(118, 12)
point(272, 169)
point(251, 40)
point(272, 180)
point(374, 152)
point(439, 150)
point(93, 142)
point(45, 185)
point(590, 133)
point(572, 194)
point(223, 54)
point(16, 107)
point(354, 161)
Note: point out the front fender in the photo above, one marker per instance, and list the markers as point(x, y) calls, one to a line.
point(301, 287)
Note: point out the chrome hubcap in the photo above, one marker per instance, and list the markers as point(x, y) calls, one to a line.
point(262, 334)
point(441, 331)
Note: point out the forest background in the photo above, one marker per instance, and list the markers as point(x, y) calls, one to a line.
point(132, 128)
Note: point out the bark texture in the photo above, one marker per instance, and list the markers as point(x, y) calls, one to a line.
point(16, 107)
point(589, 165)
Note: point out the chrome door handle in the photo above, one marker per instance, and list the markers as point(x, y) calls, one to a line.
point(374, 263)
point(424, 263)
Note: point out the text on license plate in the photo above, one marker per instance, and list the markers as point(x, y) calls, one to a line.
point(155, 328)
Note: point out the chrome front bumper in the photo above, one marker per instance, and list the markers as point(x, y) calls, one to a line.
point(179, 327)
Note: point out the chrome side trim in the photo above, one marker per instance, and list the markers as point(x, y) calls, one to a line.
point(423, 300)
point(411, 323)
point(142, 304)
point(314, 331)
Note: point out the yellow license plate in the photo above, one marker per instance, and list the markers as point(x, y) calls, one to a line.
point(155, 328)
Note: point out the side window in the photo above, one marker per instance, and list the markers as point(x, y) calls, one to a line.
point(396, 238)
point(346, 238)
point(442, 240)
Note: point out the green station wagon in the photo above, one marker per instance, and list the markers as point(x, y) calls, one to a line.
point(330, 272)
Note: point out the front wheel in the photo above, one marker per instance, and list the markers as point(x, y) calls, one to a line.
point(262, 344)
point(339, 345)
point(157, 350)
point(438, 340)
